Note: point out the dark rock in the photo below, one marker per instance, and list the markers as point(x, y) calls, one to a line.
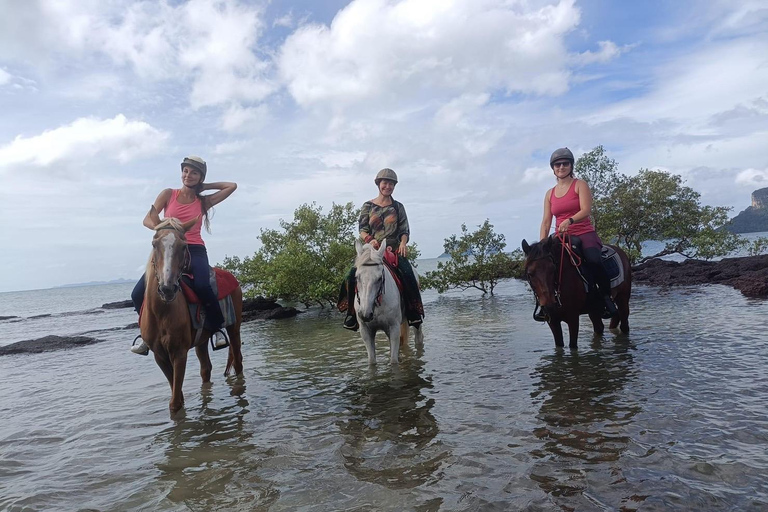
point(44, 315)
point(748, 274)
point(47, 344)
point(271, 314)
point(754, 218)
point(134, 325)
point(7, 317)
point(259, 304)
point(118, 305)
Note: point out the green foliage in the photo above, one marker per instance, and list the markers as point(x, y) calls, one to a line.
point(653, 205)
point(477, 261)
point(757, 246)
point(306, 260)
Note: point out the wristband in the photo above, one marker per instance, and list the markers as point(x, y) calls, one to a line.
point(571, 219)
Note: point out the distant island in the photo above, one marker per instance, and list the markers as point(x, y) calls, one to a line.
point(97, 283)
point(754, 218)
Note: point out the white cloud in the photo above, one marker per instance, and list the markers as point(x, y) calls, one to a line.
point(422, 48)
point(236, 118)
point(753, 177)
point(608, 51)
point(116, 138)
point(5, 77)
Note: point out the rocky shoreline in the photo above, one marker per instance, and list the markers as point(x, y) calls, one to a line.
point(257, 308)
point(748, 274)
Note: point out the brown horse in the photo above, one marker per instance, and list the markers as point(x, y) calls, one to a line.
point(165, 323)
point(550, 269)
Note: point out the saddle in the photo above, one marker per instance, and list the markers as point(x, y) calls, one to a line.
point(391, 262)
point(610, 260)
point(223, 284)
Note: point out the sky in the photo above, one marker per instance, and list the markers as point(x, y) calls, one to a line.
point(301, 101)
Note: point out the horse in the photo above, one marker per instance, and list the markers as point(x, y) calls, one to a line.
point(165, 321)
point(379, 306)
point(550, 267)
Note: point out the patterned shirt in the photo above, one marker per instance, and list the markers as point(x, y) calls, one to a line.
point(384, 222)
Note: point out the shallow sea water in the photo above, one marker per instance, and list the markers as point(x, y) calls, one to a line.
point(488, 415)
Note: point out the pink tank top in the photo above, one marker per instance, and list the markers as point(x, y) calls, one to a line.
point(186, 212)
point(567, 206)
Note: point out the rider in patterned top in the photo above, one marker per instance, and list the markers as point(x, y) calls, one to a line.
point(185, 204)
point(383, 220)
point(570, 201)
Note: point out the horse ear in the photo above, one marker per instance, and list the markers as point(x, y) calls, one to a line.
point(188, 225)
point(526, 247)
point(358, 246)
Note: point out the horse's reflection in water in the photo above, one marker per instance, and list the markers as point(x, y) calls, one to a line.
point(389, 428)
point(210, 456)
point(586, 414)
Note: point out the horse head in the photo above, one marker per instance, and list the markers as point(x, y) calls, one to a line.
point(539, 268)
point(369, 278)
point(169, 256)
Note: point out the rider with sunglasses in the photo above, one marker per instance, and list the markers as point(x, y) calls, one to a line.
point(570, 202)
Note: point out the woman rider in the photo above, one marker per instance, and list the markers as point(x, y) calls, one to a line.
point(383, 220)
point(570, 201)
point(185, 204)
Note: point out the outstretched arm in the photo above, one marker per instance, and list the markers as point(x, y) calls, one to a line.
point(152, 218)
point(224, 188)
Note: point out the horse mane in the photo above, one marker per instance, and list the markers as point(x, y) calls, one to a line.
point(170, 221)
point(538, 250)
point(367, 256)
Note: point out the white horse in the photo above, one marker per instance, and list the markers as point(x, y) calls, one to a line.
point(378, 304)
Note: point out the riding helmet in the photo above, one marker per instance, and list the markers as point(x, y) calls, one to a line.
point(196, 163)
point(385, 174)
point(561, 154)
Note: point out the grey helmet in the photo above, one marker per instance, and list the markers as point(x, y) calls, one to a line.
point(561, 154)
point(196, 163)
point(385, 174)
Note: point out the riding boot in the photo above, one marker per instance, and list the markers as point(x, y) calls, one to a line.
point(604, 288)
point(414, 308)
point(350, 321)
point(214, 319)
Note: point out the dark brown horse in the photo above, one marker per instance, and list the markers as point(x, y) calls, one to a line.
point(550, 269)
point(165, 323)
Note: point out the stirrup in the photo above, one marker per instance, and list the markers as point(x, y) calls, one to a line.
point(217, 338)
point(539, 315)
point(350, 322)
point(142, 349)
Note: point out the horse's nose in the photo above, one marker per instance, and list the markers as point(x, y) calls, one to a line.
point(168, 292)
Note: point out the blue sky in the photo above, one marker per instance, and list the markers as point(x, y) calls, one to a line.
point(302, 101)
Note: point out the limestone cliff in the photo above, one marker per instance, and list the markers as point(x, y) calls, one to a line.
point(755, 217)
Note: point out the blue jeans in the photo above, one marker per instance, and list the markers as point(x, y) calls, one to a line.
point(199, 268)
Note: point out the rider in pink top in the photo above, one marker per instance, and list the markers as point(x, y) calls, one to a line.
point(187, 203)
point(570, 201)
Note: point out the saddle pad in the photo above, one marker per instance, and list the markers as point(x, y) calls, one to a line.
point(612, 265)
point(222, 282)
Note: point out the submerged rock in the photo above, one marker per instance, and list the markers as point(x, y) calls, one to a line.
point(270, 314)
point(7, 317)
point(748, 274)
point(118, 304)
point(259, 304)
point(47, 344)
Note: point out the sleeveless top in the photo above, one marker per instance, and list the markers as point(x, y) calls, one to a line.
point(567, 206)
point(186, 212)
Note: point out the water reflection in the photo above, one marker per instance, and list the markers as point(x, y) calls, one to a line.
point(389, 428)
point(586, 410)
point(209, 455)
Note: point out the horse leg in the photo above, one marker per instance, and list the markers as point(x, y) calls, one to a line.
point(369, 338)
point(161, 358)
point(418, 335)
point(393, 333)
point(403, 334)
point(573, 332)
point(235, 358)
point(205, 362)
point(597, 322)
point(557, 332)
point(179, 363)
point(623, 316)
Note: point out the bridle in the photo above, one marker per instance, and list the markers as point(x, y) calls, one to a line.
point(382, 283)
point(565, 247)
point(184, 266)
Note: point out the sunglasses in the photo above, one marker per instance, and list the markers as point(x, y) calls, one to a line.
point(561, 164)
